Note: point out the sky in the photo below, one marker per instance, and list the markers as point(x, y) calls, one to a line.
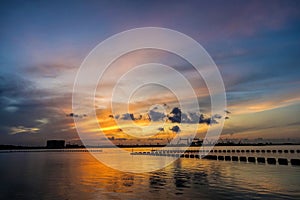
point(255, 45)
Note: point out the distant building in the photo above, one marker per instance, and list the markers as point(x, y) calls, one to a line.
point(55, 144)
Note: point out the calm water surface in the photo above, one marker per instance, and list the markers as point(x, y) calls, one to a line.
point(68, 175)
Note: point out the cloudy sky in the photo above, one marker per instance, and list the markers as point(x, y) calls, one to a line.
point(255, 45)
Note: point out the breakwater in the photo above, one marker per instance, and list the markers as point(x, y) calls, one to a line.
point(244, 155)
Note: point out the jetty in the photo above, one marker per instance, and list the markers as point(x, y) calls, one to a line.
point(244, 155)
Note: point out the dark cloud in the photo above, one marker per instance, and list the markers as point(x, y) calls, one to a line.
point(153, 115)
point(175, 115)
point(217, 116)
point(161, 129)
point(30, 115)
point(184, 118)
point(176, 111)
point(127, 116)
point(175, 129)
point(208, 121)
point(227, 111)
point(114, 117)
point(13, 89)
point(76, 115)
point(194, 117)
point(156, 115)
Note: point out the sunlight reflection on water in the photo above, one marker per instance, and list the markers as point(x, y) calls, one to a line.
point(80, 176)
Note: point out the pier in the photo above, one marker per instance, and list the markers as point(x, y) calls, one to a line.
point(258, 156)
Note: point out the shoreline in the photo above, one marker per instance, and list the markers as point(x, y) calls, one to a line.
point(15, 147)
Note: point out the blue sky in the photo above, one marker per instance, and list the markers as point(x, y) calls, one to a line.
point(255, 44)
